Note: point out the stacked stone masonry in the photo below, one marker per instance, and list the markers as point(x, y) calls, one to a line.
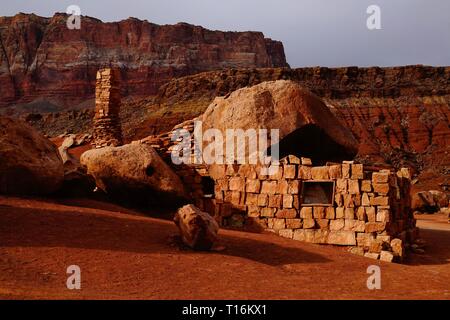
point(370, 212)
point(107, 128)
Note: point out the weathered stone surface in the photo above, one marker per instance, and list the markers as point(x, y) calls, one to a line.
point(304, 235)
point(344, 238)
point(132, 171)
point(198, 229)
point(289, 172)
point(294, 223)
point(319, 212)
point(366, 186)
point(152, 54)
point(286, 213)
point(357, 171)
point(306, 213)
point(266, 106)
point(381, 188)
point(29, 163)
point(288, 201)
point(337, 224)
point(375, 227)
point(286, 233)
point(309, 223)
point(275, 200)
point(397, 247)
point(320, 173)
point(379, 201)
point(353, 186)
point(269, 187)
point(304, 172)
point(380, 177)
point(335, 171)
point(386, 256)
point(107, 125)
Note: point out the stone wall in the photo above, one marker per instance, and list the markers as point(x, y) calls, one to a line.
point(107, 128)
point(370, 213)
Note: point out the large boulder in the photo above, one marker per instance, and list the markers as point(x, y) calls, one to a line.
point(133, 172)
point(198, 229)
point(306, 125)
point(429, 201)
point(29, 163)
point(77, 182)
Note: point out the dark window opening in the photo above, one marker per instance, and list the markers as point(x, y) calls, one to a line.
point(317, 193)
point(208, 187)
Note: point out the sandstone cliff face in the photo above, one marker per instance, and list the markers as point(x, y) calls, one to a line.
point(41, 57)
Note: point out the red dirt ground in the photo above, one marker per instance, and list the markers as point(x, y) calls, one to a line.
point(125, 255)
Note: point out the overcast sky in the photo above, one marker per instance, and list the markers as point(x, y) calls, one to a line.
point(314, 32)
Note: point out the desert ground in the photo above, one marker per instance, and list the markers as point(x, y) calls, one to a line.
point(124, 254)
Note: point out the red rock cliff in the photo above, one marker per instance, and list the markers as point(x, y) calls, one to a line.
point(41, 57)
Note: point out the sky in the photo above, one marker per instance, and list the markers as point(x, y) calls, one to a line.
point(329, 33)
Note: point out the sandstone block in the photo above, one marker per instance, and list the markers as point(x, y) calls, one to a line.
point(357, 171)
point(346, 171)
point(263, 200)
point(366, 186)
point(269, 187)
point(308, 223)
point(253, 211)
point(336, 225)
point(335, 171)
point(386, 256)
point(341, 185)
point(344, 238)
point(365, 200)
point(319, 173)
point(304, 172)
point(268, 212)
point(375, 227)
point(319, 212)
point(294, 187)
point(275, 200)
point(294, 223)
point(372, 255)
point(289, 171)
point(379, 201)
point(306, 213)
point(383, 215)
point(322, 223)
point(340, 213)
point(338, 200)
point(361, 213)
point(304, 235)
point(381, 188)
point(353, 186)
point(237, 184)
point(330, 213)
point(251, 199)
point(283, 187)
point(288, 201)
point(380, 177)
point(253, 186)
point(371, 214)
point(286, 233)
point(349, 213)
point(286, 213)
point(306, 161)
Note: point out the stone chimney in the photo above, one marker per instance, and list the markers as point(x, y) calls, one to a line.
point(107, 129)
